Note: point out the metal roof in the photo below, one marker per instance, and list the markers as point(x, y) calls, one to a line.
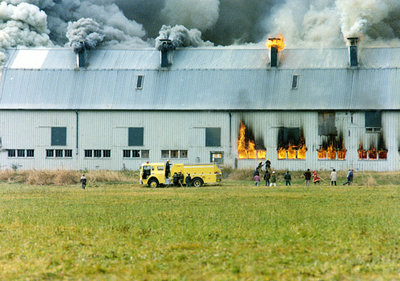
point(201, 79)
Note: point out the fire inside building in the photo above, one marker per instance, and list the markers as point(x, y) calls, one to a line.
point(115, 109)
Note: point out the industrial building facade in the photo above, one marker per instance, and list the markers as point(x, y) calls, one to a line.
point(312, 110)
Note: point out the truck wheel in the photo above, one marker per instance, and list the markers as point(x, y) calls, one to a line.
point(153, 183)
point(197, 182)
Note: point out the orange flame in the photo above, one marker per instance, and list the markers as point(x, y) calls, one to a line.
point(332, 153)
point(250, 152)
point(293, 152)
point(277, 42)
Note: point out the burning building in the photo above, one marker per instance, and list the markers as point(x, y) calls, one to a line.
point(301, 108)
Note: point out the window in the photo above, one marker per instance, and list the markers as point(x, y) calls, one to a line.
point(97, 153)
point(373, 121)
point(126, 153)
point(295, 79)
point(30, 153)
point(213, 136)
point(59, 153)
point(88, 153)
point(21, 153)
point(68, 153)
point(49, 152)
point(58, 136)
point(145, 154)
point(326, 124)
point(11, 153)
point(174, 153)
point(183, 154)
point(217, 157)
point(106, 153)
point(139, 82)
point(136, 153)
point(164, 153)
point(135, 137)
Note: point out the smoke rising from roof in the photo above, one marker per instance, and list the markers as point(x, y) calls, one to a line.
point(84, 34)
point(135, 24)
point(181, 37)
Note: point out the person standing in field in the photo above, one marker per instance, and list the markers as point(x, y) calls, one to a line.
point(333, 177)
point(273, 179)
point(267, 176)
point(307, 177)
point(83, 181)
point(257, 180)
point(349, 177)
point(287, 178)
point(188, 181)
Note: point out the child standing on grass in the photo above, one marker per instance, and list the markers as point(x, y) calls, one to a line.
point(273, 179)
point(256, 180)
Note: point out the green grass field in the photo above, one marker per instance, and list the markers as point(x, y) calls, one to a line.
point(231, 232)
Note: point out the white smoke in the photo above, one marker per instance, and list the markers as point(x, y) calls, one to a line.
point(181, 37)
point(197, 14)
point(22, 25)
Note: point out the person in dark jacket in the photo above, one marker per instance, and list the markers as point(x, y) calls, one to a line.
point(287, 178)
point(349, 177)
point(188, 180)
point(83, 181)
point(307, 177)
point(175, 179)
point(267, 176)
point(267, 164)
point(167, 169)
point(181, 178)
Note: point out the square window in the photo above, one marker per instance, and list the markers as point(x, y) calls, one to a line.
point(183, 154)
point(97, 153)
point(21, 152)
point(135, 137)
point(59, 153)
point(135, 153)
point(30, 153)
point(174, 153)
point(11, 153)
point(58, 136)
point(145, 154)
point(213, 136)
point(68, 153)
point(164, 153)
point(106, 153)
point(126, 153)
point(88, 153)
point(373, 119)
point(49, 152)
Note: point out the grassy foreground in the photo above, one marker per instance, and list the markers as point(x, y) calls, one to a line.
point(230, 232)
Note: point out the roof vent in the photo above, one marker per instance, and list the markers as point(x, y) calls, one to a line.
point(81, 56)
point(166, 48)
point(275, 45)
point(353, 50)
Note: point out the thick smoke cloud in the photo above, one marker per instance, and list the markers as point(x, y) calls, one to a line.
point(180, 36)
point(84, 34)
point(135, 23)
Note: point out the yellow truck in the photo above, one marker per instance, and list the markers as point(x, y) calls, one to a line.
point(153, 174)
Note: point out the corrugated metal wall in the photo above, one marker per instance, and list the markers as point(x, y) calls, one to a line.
point(178, 130)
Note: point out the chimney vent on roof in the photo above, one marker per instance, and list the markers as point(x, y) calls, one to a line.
point(81, 55)
point(275, 44)
point(166, 49)
point(353, 50)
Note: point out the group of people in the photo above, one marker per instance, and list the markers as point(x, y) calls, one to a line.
point(270, 176)
point(178, 179)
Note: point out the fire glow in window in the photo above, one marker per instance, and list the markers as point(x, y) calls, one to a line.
point(333, 149)
point(248, 148)
point(373, 153)
point(291, 144)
